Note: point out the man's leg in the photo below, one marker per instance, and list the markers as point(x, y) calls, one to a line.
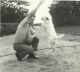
point(22, 50)
point(34, 46)
point(35, 43)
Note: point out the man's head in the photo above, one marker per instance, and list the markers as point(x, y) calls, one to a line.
point(31, 21)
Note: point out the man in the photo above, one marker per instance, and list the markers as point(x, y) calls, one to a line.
point(26, 41)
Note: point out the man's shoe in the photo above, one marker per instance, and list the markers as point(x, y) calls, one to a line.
point(19, 58)
point(32, 57)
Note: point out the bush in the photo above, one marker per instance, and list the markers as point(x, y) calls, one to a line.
point(66, 13)
point(11, 12)
point(8, 28)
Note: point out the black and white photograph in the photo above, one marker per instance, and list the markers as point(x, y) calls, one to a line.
point(39, 36)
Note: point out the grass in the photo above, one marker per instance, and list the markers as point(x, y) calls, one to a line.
point(66, 57)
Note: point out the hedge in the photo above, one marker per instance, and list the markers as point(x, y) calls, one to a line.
point(12, 12)
point(8, 28)
point(66, 13)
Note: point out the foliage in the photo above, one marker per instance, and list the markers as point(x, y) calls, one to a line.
point(8, 28)
point(66, 13)
point(12, 12)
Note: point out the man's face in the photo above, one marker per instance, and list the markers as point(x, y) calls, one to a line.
point(31, 21)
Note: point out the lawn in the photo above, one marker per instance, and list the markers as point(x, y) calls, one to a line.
point(65, 58)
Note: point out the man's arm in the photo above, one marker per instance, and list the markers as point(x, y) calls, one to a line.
point(33, 32)
point(29, 16)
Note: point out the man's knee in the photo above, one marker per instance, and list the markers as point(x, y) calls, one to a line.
point(29, 50)
point(23, 48)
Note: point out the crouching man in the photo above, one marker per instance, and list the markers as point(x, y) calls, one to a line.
point(26, 41)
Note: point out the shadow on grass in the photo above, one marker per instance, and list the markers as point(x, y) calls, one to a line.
point(72, 30)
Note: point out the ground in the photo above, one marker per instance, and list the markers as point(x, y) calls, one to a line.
point(65, 58)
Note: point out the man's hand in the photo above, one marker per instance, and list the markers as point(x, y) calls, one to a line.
point(31, 38)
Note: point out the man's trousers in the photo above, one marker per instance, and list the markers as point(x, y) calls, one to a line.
point(26, 48)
